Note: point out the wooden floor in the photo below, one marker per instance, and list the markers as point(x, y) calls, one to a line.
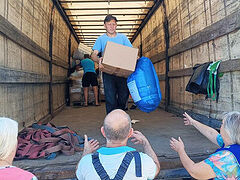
point(158, 126)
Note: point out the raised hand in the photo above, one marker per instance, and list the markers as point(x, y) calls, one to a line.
point(187, 119)
point(177, 145)
point(90, 146)
point(139, 138)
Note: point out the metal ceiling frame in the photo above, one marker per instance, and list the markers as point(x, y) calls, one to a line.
point(114, 14)
point(97, 9)
point(69, 9)
point(102, 25)
point(102, 20)
point(94, 1)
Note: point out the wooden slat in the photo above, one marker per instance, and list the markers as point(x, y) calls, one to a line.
point(57, 61)
point(161, 77)
point(158, 57)
point(59, 79)
point(212, 122)
point(220, 28)
point(15, 76)
point(225, 66)
point(11, 32)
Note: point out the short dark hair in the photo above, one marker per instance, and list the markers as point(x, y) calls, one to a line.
point(110, 17)
point(86, 56)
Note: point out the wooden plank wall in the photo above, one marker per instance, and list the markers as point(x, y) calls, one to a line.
point(25, 61)
point(199, 31)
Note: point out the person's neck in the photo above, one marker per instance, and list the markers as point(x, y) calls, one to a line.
point(227, 144)
point(5, 162)
point(115, 144)
point(111, 35)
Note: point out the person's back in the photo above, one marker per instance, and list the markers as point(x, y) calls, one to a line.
point(89, 78)
point(117, 159)
point(12, 172)
point(111, 163)
point(8, 145)
point(88, 65)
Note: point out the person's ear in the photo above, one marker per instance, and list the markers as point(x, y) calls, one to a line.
point(102, 131)
point(130, 133)
point(105, 26)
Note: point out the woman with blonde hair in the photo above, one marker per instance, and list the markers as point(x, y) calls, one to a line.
point(224, 163)
point(8, 146)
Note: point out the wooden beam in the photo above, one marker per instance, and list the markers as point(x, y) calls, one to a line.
point(18, 76)
point(161, 77)
point(218, 29)
point(158, 57)
point(58, 62)
point(212, 122)
point(230, 65)
point(14, 34)
point(59, 79)
point(180, 72)
point(225, 66)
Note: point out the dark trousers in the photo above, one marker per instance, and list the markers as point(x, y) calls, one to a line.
point(116, 92)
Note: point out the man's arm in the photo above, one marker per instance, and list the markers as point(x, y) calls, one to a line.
point(139, 138)
point(94, 56)
point(207, 131)
point(199, 170)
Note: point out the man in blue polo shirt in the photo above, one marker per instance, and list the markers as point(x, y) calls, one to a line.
point(115, 88)
point(117, 160)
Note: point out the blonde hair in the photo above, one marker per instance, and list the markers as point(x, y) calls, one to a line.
point(8, 136)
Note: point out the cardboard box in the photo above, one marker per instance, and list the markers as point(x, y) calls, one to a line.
point(119, 60)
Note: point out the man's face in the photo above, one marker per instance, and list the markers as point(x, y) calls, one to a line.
point(111, 26)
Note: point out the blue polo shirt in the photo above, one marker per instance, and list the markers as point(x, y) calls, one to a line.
point(103, 39)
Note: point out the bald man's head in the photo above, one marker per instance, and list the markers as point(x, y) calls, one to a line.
point(117, 125)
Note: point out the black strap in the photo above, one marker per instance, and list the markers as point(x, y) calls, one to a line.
point(123, 167)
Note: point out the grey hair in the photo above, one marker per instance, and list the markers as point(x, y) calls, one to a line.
point(8, 137)
point(232, 126)
point(117, 134)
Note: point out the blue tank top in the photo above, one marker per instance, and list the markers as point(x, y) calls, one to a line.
point(235, 149)
point(88, 65)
